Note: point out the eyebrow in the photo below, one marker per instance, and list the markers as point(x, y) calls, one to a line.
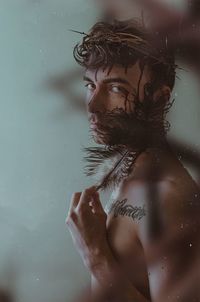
point(110, 80)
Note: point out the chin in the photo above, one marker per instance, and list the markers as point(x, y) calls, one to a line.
point(97, 139)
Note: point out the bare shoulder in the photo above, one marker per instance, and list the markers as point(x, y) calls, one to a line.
point(142, 205)
point(126, 201)
point(131, 199)
point(171, 198)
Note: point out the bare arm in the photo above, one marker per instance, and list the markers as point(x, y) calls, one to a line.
point(88, 229)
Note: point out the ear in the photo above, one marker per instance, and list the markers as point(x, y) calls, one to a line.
point(162, 91)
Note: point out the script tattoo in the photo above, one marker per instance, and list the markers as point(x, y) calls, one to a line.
point(123, 209)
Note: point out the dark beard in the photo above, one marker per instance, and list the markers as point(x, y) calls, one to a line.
point(143, 126)
point(117, 127)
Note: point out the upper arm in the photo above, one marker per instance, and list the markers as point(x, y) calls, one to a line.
point(122, 234)
point(121, 224)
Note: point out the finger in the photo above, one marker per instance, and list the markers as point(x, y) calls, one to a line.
point(87, 196)
point(74, 201)
point(97, 203)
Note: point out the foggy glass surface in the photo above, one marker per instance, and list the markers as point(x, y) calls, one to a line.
point(42, 133)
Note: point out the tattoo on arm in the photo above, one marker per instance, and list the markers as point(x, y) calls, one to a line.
point(121, 208)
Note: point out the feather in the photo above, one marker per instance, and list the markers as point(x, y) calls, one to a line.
point(109, 164)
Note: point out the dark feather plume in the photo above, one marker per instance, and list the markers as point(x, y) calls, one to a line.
point(109, 164)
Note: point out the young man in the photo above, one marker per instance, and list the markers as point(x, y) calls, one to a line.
point(145, 246)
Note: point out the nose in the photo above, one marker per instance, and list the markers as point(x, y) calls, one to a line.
point(96, 102)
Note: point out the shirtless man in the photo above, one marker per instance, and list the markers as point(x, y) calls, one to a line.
point(145, 245)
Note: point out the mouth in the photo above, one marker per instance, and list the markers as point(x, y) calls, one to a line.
point(93, 126)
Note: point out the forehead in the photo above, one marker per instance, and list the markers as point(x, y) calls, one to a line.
point(131, 74)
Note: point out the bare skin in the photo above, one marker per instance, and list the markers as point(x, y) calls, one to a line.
point(145, 244)
point(164, 255)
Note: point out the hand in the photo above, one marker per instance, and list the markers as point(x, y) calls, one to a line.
point(86, 222)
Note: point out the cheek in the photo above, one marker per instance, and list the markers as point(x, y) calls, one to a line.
point(88, 96)
point(124, 102)
point(116, 100)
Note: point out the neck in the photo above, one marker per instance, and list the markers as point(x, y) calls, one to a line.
point(146, 140)
point(156, 141)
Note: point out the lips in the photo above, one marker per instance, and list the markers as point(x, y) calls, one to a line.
point(93, 126)
point(95, 123)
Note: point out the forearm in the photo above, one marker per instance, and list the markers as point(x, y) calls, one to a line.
point(108, 277)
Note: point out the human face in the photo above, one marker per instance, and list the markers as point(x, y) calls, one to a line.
point(116, 89)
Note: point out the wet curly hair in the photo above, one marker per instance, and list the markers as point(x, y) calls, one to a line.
point(124, 43)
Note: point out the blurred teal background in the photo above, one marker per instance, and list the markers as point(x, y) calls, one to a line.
point(42, 132)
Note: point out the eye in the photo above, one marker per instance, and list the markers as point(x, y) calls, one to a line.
point(115, 89)
point(90, 86)
point(119, 89)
